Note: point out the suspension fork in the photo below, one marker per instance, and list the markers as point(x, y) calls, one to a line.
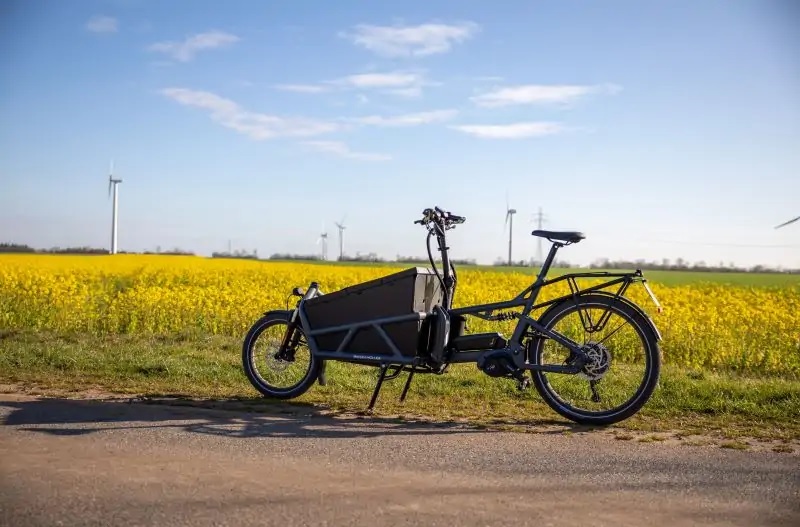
point(291, 337)
point(290, 340)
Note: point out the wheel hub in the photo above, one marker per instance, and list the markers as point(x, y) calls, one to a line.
point(598, 360)
point(276, 364)
point(278, 361)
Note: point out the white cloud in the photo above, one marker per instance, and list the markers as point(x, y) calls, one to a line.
point(342, 150)
point(411, 41)
point(302, 88)
point(405, 84)
point(185, 51)
point(381, 80)
point(510, 131)
point(257, 126)
point(402, 83)
point(411, 119)
point(539, 94)
point(102, 24)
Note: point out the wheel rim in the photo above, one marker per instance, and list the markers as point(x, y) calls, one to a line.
point(272, 372)
point(619, 370)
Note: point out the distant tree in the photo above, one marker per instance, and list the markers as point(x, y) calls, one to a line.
point(15, 248)
point(280, 256)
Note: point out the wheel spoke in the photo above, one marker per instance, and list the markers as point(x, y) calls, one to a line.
point(274, 376)
point(609, 335)
point(625, 361)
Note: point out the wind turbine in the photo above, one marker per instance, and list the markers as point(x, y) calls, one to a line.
point(787, 222)
point(341, 227)
point(115, 182)
point(510, 222)
point(324, 239)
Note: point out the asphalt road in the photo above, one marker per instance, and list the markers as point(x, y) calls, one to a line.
point(65, 462)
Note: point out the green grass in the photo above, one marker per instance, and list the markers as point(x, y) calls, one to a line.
point(694, 277)
point(656, 276)
point(690, 402)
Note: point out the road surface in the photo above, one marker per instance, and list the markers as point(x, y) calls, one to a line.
point(70, 462)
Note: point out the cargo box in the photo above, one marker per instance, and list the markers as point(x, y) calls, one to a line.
point(412, 290)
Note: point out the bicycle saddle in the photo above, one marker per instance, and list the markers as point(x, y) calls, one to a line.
point(562, 236)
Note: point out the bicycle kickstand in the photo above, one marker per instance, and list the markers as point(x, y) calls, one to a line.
point(408, 383)
point(384, 369)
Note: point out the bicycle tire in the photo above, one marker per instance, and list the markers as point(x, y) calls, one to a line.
point(248, 360)
point(652, 355)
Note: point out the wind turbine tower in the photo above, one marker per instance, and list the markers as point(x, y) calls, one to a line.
point(341, 227)
point(324, 239)
point(114, 182)
point(510, 222)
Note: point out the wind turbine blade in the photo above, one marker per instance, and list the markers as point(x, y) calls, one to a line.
point(788, 222)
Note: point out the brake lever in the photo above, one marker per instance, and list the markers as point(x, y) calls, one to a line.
point(426, 216)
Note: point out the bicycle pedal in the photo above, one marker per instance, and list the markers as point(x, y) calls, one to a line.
point(523, 384)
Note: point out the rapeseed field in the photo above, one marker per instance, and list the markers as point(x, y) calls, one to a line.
point(704, 325)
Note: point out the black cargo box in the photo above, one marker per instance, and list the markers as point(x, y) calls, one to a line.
point(412, 290)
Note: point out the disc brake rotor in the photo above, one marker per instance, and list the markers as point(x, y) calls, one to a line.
point(277, 364)
point(598, 361)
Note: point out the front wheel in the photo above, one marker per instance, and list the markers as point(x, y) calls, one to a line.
point(623, 364)
point(281, 376)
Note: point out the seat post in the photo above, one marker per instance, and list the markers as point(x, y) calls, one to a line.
point(551, 255)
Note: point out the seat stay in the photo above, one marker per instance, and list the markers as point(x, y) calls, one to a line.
point(562, 236)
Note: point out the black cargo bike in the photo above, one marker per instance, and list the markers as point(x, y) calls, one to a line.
point(406, 322)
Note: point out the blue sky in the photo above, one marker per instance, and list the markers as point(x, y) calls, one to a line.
point(659, 129)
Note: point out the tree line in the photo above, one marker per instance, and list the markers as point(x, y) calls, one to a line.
point(604, 263)
point(25, 249)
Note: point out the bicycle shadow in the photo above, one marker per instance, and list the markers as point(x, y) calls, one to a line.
point(230, 418)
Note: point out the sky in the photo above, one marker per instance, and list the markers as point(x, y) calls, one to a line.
point(663, 129)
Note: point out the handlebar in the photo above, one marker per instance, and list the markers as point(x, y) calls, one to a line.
point(445, 218)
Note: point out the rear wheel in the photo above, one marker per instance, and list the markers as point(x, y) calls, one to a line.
point(279, 376)
point(622, 370)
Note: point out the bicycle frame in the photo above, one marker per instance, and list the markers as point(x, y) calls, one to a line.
point(525, 299)
point(514, 349)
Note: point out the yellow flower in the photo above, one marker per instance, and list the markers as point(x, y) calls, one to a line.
point(703, 324)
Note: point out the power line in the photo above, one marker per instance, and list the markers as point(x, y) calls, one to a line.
point(539, 218)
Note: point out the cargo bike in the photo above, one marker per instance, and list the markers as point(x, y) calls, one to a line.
point(406, 322)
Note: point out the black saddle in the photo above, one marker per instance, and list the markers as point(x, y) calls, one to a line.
point(562, 236)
